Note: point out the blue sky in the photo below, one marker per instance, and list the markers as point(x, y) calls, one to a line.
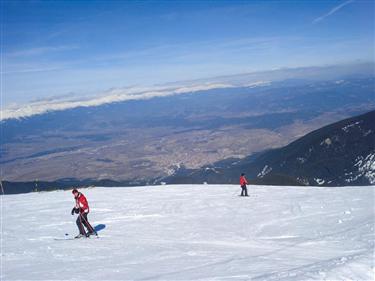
point(52, 48)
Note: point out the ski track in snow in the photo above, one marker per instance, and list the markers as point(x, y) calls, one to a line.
point(193, 232)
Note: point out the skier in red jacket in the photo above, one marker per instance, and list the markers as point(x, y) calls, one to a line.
point(243, 183)
point(82, 208)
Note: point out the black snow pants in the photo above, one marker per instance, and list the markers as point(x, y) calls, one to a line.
point(244, 190)
point(83, 221)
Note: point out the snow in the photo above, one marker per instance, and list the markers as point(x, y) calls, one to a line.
point(366, 168)
point(319, 181)
point(348, 127)
point(211, 169)
point(301, 160)
point(193, 232)
point(326, 142)
point(173, 169)
point(264, 172)
point(365, 134)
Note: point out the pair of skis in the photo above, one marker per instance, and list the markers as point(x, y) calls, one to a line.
point(97, 228)
point(77, 238)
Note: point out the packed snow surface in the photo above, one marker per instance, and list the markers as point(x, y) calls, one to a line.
point(193, 232)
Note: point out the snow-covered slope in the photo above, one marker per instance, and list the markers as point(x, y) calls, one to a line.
point(193, 232)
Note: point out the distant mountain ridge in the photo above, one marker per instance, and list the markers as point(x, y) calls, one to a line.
point(339, 154)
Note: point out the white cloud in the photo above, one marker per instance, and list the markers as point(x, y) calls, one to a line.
point(332, 11)
point(251, 80)
point(112, 96)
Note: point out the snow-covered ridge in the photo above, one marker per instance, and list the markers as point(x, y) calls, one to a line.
point(366, 167)
point(113, 96)
point(266, 170)
point(193, 232)
point(347, 127)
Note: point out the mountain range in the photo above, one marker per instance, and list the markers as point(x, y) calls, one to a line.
point(339, 154)
point(146, 140)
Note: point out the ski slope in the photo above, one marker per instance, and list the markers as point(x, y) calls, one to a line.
point(193, 232)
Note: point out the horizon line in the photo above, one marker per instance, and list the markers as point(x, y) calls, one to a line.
point(139, 92)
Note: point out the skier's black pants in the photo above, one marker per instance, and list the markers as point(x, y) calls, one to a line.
point(83, 221)
point(244, 190)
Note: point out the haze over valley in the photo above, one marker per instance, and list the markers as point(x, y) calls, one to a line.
point(144, 139)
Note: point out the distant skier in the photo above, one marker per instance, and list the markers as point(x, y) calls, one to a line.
point(82, 208)
point(243, 183)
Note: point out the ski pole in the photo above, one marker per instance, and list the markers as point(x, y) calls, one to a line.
point(2, 189)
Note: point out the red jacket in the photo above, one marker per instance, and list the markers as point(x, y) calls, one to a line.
point(82, 204)
point(243, 180)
